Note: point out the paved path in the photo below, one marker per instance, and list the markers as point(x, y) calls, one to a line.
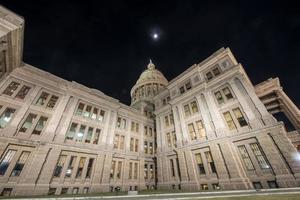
point(186, 196)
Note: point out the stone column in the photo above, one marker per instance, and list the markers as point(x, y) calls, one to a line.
point(183, 169)
point(105, 179)
point(192, 171)
point(142, 185)
point(177, 125)
point(111, 130)
point(96, 175)
point(184, 130)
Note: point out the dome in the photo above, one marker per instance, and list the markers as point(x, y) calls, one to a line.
point(150, 82)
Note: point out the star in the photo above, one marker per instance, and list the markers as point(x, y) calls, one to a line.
point(155, 36)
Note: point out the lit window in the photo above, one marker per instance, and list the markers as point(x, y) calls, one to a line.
point(28, 122)
point(245, 157)
point(150, 147)
point(89, 135)
point(101, 116)
point(40, 125)
point(200, 163)
point(71, 166)
point(227, 93)
point(151, 172)
point(146, 171)
point(59, 165)
point(95, 113)
point(6, 117)
point(187, 110)
point(229, 120)
point(80, 167)
point(6, 161)
point(71, 132)
point(192, 131)
point(194, 107)
point(96, 136)
point(119, 169)
point(219, 97)
point(259, 156)
point(79, 110)
point(87, 111)
point(145, 146)
point(23, 92)
point(112, 169)
point(200, 129)
point(239, 116)
point(80, 134)
point(11, 88)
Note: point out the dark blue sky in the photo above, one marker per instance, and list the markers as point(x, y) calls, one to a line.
point(107, 44)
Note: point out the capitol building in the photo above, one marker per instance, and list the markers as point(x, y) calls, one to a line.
point(209, 128)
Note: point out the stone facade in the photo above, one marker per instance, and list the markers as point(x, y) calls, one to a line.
point(206, 129)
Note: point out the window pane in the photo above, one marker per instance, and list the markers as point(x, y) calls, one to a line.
point(146, 171)
point(145, 146)
point(80, 134)
point(11, 88)
point(169, 140)
point(200, 129)
point(194, 107)
point(20, 163)
point(167, 121)
point(130, 170)
point(59, 165)
point(229, 120)
point(227, 93)
point(116, 141)
point(40, 125)
point(71, 166)
point(187, 111)
point(96, 136)
point(119, 169)
point(52, 101)
point(209, 76)
point(42, 99)
point(112, 169)
point(131, 144)
point(6, 161)
point(135, 170)
point(89, 135)
point(71, 132)
point(192, 131)
point(122, 138)
point(87, 111)
point(95, 113)
point(259, 156)
point(101, 115)
point(245, 157)
point(188, 86)
point(219, 97)
point(23, 92)
point(80, 167)
point(239, 116)
point(6, 117)
point(136, 148)
point(80, 109)
point(182, 90)
point(28, 122)
point(216, 71)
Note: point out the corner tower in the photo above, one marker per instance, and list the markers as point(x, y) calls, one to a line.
point(150, 82)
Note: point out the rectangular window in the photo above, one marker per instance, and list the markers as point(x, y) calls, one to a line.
point(136, 148)
point(209, 75)
point(216, 71)
point(112, 169)
point(122, 138)
point(135, 171)
point(119, 122)
point(80, 108)
point(132, 126)
point(11, 88)
point(239, 116)
point(145, 130)
point(89, 168)
point(64, 190)
point(187, 110)
point(131, 144)
point(150, 147)
point(219, 97)
point(89, 135)
point(20, 163)
point(28, 122)
point(200, 163)
point(6, 161)
point(6, 117)
point(52, 101)
point(262, 161)
point(188, 86)
point(71, 133)
point(40, 125)
point(192, 131)
point(229, 120)
point(59, 165)
point(116, 141)
point(23, 92)
point(123, 124)
point(150, 131)
point(145, 146)
point(172, 167)
point(101, 115)
point(119, 169)
point(6, 192)
point(151, 172)
point(210, 161)
point(80, 134)
point(87, 112)
point(174, 139)
point(130, 170)
point(137, 126)
point(200, 129)
point(167, 121)
point(146, 171)
point(95, 113)
point(42, 99)
point(171, 120)
point(71, 166)
point(194, 107)
point(182, 90)
point(227, 93)
point(245, 157)
point(75, 190)
point(169, 140)
point(96, 136)
point(80, 167)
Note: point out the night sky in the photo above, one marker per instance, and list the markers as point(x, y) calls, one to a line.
point(107, 44)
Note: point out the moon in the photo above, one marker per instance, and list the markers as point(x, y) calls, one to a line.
point(155, 36)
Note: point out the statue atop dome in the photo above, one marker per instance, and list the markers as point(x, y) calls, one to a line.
point(151, 65)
